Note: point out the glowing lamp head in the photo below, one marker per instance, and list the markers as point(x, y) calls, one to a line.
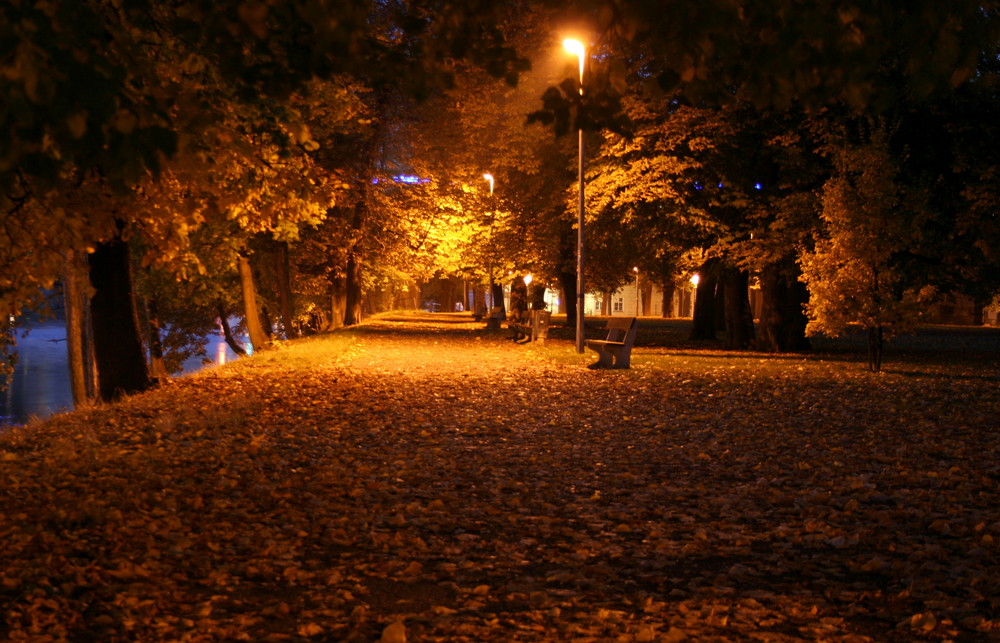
point(489, 177)
point(695, 278)
point(574, 47)
point(527, 280)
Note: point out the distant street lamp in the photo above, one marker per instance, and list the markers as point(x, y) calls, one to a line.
point(492, 297)
point(576, 48)
point(636, 270)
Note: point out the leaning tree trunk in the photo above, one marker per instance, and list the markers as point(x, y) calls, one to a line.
point(227, 332)
point(118, 349)
point(255, 328)
point(782, 315)
point(739, 318)
point(79, 338)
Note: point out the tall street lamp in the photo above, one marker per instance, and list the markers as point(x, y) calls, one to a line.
point(489, 178)
point(576, 48)
point(636, 270)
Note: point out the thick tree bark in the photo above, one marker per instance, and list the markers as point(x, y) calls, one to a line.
point(118, 349)
point(739, 318)
point(285, 296)
point(352, 314)
point(255, 328)
point(496, 296)
point(782, 316)
point(338, 302)
point(79, 338)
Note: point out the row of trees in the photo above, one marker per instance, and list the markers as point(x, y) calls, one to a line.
point(846, 165)
point(241, 157)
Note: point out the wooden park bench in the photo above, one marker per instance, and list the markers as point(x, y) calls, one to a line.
point(494, 318)
point(533, 326)
point(616, 350)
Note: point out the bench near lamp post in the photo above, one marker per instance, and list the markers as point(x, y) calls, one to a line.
point(615, 351)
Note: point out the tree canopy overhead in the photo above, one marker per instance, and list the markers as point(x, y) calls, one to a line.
point(170, 123)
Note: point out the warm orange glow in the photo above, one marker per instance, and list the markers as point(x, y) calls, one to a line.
point(695, 278)
point(576, 48)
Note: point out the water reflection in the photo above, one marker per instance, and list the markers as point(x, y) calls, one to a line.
point(40, 384)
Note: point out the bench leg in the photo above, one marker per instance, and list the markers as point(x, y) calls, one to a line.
point(622, 359)
point(604, 359)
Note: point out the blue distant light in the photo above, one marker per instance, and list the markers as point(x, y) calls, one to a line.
point(721, 186)
point(698, 186)
point(758, 186)
point(409, 178)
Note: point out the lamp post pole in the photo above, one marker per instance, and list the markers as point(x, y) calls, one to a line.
point(576, 48)
point(489, 179)
point(636, 269)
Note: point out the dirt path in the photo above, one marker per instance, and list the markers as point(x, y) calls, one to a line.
point(441, 482)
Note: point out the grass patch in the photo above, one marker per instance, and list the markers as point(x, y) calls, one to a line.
point(305, 353)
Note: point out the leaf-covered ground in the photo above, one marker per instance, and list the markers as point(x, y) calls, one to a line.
point(427, 481)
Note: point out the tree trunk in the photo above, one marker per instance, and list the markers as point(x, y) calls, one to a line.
point(118, 349)
point(536, 296)
point(496, 295)
point(668, 299)
point(338, 302)
point(258, 338)
point(704, 317)
point(285, 296)
point(352, 314)
point(646, 288)
point(227, 333)
point(876, 346)
point(518, 297)
point(157, 367)
point(79, 338)
point(567, 281)
point(738, 318)
point(782, 316)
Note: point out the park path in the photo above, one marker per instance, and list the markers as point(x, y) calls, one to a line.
point(434, 479)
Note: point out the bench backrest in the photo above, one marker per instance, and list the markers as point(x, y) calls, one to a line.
point(621, 329)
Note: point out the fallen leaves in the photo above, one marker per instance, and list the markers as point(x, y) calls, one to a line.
point(392, 495)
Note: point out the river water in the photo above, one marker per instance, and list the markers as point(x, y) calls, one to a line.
point(40, 385)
